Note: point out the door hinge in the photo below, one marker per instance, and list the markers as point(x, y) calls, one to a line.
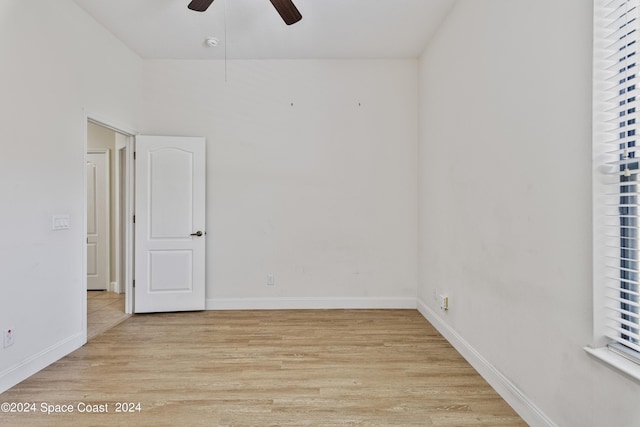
point(134, 155)
point(134, 219)
point(134, 283)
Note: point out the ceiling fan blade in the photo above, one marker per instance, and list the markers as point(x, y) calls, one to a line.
point(287, 10)
point(200, 5)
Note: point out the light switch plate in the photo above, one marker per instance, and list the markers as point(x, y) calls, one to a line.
point(60, 222)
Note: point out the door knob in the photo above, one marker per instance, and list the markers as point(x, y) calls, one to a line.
point(197, 233)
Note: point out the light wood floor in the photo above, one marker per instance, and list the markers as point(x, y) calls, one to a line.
point(267, 368)
point(104, 311)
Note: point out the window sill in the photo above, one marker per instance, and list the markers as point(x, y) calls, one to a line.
point(619, 363)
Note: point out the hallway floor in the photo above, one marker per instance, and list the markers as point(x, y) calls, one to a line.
point(104, 311)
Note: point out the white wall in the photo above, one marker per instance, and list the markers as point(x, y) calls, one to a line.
point(505, 203)
point(55, 62)
point(321, 194)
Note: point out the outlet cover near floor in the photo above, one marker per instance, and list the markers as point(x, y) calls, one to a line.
point(8, 337)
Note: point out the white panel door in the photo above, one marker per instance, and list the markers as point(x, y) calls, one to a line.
point(97, 220)
point(170, 224)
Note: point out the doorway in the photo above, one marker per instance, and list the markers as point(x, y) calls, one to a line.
point(106, 226)
point(175, 167)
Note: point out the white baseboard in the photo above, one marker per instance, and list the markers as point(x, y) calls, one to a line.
point(505, 388)
point(309, 303)
point(23, 370)
point(115, 287)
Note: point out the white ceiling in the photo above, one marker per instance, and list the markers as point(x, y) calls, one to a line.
point(166, 29)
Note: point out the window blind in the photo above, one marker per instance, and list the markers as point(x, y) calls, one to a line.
point(622, 283)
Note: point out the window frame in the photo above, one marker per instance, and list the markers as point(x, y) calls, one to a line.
point(601, 347)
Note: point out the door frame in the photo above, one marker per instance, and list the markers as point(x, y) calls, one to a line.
point(129, 132)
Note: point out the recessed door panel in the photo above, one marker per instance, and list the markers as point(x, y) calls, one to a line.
point(92, 221)
point(92, 260)
point(170, 271)
point(171, 174)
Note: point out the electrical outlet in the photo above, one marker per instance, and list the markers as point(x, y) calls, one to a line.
point(271, 280)
point(8, 337)
point(444, 302)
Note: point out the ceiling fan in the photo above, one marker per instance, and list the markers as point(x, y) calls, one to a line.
point(287, 10)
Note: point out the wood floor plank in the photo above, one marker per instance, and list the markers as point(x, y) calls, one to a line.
point(267, 368)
